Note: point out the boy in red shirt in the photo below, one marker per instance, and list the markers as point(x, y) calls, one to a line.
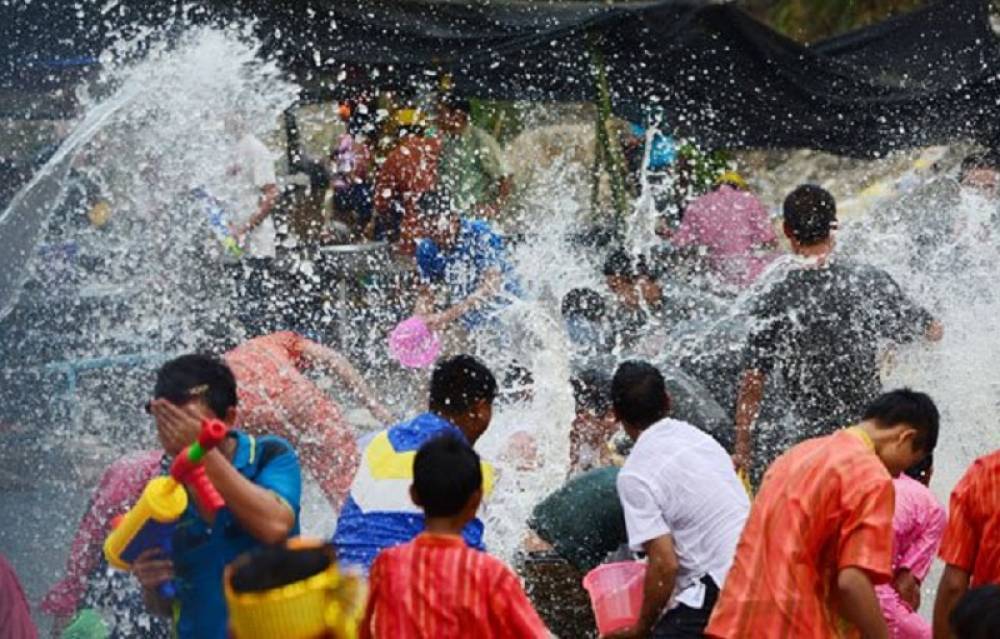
point(436, 586)
point(971, 544)
point(820, 530)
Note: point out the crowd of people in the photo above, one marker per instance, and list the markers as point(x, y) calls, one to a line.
point(819, 525)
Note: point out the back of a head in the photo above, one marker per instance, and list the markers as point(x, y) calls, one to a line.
point(453, 102)
point(639, 394)
point(446, 474)
point(176, 380)
point(909, 407)
point(459, 383)
point(584, 303)
point(810, 214)
point(592, 391)
point(981, 160)
point(619, 263)
point(977, 614)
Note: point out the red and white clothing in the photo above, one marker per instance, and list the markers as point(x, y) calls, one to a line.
point(436, 586)
point(276, 398)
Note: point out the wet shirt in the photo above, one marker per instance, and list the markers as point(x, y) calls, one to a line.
point(201, 552)
point(409, 171)
point(825, 505)
point(477, 250)
point(678, 481)
point(379, 512)
point(972, 539)
point(583, 520)
point(472, 164)
point(917, 525)
point(436, 586)
point(820, 329)
point(730, 225)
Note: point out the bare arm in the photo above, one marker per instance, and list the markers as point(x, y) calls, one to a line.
point(269, 196)
point(260, 512)
point(345, 371)
point(859, 604)
point(661, 576)
point(751, 394)
point(954, 583)
point(487, 290)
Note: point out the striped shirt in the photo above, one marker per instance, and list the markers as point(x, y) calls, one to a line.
point(825, 505)
point(972, 539)
point(436, 587)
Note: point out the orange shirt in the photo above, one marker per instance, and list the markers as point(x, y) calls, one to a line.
point(825, 505)
point(409, 171)
point(436, 586)
point(972, 539)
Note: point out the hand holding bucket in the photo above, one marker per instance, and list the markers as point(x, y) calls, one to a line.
point(616, 594)
point(413, 344)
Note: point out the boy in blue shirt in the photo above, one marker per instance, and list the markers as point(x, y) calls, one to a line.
point(468, 260)
point(259, 479)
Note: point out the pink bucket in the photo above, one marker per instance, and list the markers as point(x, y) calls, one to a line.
point(616, 594)
point(413, 344)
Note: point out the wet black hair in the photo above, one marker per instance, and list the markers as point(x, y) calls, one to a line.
point(639, 394)
point(921, 470)
point(584, 302)
point(811, 214)
point(460, 382)
point(592, 391)
point(177, 378)
point(905, 406)
point(276, 566)
point(619, 263)
point(981, 160)
point(436, 204)
point(446, 473)
point(977, 614)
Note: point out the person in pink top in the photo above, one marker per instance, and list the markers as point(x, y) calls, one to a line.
point(733, 228)
point(918, 525)
point(116, 492)
point(276, 397)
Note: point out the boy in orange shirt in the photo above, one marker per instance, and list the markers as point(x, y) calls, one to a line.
point(436, 586)
point(820, 530)
point(971, 544)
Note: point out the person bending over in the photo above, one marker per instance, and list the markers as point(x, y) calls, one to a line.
point(684, 507)
point(435, 585)
point(820, 533)
point(258, 478)
point(276, 396)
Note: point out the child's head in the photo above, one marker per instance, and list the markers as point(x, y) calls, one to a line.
point(447, 480)
point(909, 422)
point(977, 615)
point(462, 391)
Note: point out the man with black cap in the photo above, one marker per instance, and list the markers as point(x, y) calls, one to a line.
point(819, 330)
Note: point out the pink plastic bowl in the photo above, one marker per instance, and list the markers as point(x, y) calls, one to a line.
point(616, 594)
point(413, 344)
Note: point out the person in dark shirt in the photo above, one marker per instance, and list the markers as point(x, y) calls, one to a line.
point(819, 329)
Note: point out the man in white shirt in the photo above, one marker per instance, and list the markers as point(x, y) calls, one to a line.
point(252, 192)
point(684, 507)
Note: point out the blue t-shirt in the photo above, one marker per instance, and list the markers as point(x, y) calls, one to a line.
point(379, 513)
point(477, 249)
point(201, 553)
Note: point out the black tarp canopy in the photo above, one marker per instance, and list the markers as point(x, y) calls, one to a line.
point(717, 74)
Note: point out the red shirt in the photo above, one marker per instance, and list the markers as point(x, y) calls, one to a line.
point(825, 505)
point(972, 539)
point(436, 587)
point(409, 171)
